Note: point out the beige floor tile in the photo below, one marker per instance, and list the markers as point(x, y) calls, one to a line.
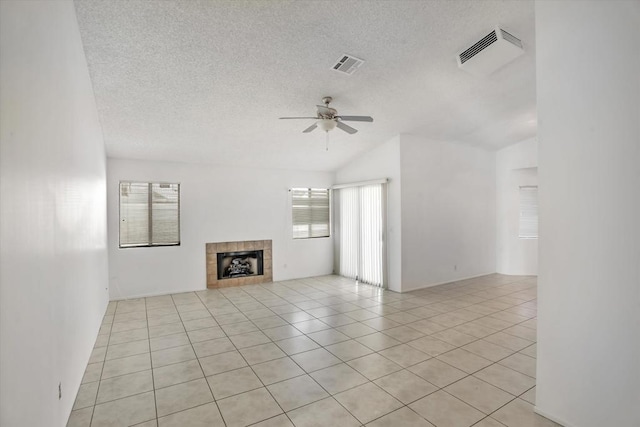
point(479, 394)
point(521, 363)
point(248, 408)
point(239, 328)
point(374, 366)
point(326, 412)
point(406, 386)
point(488, 422)
point(98, 354)
point(172, 355)
point(508, 341)
point(233, 382)
point(128, 336)
point(474, 330)
point(126, 365)
point(86, 395)
point(531, 351)
point(164, 320)
point(442, 409)
point(124, 386)
point(214, 346)
point(296, 392)
point(340, 320)
point(282, 332)
point(205, 334)
point(310, 326)
point(80, 418)
point(378, 341)
point(426, 326)
point(355, 330)
point(125, 412)
point(464, 360)
point(368, 402)
point(519, 413)
point(348, 350)
point(132, 348)
point(177, 373)
point(249, 339)
point(437, 372)
point(128, 326)
point(201, 416)
point(488, 350)
point(403, 333)
point(92, 372)
point(328, 337)
point(222, 362)
point(454, 337)
point(277, 370)
point(183, 396)
point(315, 359)
point(277, 421)
point(168, 341)
point(404, 355)
point(506, 379)
point(338, 378)
point(403, 417)
point(195, 324)
point(168, 329)
point(296, 344)
point(431, 346)
point(522, 332)
point(262, 353)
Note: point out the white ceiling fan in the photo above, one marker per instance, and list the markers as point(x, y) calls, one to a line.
point(328, 119)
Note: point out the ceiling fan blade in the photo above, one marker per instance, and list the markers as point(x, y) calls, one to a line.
point(346, 128)
point(312, 118)
point(324, 110)
point(356, 118)
point(310, 128)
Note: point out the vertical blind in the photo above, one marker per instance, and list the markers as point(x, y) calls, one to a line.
point(528, 212)
point(362, 227)
point(310, 212)
point(149, 214)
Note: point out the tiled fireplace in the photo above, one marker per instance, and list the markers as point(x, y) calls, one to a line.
point(238, 263)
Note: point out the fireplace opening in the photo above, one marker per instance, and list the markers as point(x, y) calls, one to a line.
point(240, 264)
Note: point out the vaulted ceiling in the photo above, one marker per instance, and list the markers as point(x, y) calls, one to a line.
point(205, 81)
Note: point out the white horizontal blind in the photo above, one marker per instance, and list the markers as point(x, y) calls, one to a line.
point(528, 212)
point(310, 212)
point(361, 225)
point(149, 214)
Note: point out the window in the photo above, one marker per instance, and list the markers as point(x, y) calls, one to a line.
point(528, 212)
point(149, 214)
point(310, 208)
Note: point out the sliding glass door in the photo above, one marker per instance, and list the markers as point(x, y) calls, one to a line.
point(360, 232)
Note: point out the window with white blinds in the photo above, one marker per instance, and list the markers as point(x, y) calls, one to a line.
point(149, 214)
point(528, 212)
point(310, 212)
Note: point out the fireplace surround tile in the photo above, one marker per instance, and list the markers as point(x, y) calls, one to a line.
point(212, 250)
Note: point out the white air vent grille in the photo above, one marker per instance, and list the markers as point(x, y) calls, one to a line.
point(478, 47)
point(490, 53)
point(347, 64)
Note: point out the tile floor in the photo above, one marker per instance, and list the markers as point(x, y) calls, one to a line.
point(322, 351)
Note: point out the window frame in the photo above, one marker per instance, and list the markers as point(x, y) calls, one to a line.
point(149, 243)
point(521, 232)
point(309, 234)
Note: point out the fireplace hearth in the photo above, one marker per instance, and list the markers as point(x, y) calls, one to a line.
point(238, 263)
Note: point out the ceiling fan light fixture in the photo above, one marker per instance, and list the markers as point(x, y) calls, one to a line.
point(327, 124)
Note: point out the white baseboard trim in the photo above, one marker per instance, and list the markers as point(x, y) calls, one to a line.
point(157, 294)
point(551, 417)
point(430, 285)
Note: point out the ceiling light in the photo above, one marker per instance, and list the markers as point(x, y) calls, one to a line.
point(327, 124)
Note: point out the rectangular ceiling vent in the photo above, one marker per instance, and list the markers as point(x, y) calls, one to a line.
point(347, 64)
point(490, 53)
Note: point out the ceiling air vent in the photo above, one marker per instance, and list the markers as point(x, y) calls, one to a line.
point(491, 52)
point(347, 64)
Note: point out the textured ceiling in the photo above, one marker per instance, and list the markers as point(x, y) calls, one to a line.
point(205, 81)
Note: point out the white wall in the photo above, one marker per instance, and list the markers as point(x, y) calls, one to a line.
point(217, 205)
point(53, 275)
point(383, 162)
point(448, 212)
point(589, 281)
point(516, 165)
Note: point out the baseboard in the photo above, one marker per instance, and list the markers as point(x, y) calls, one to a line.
point(430, 285)
point(551, 417)
point(157, 294)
